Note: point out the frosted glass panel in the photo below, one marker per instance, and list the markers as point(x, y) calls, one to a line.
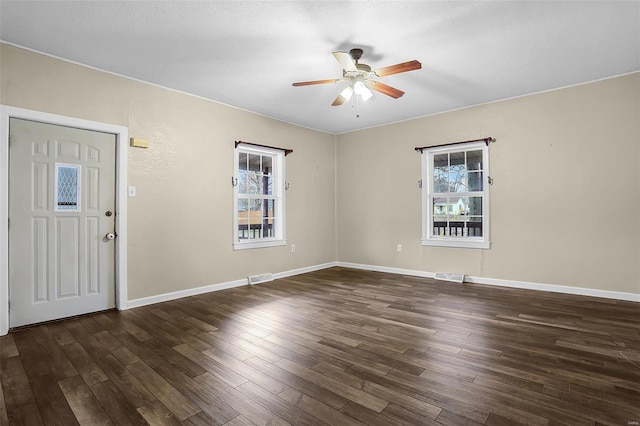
point(67, 190)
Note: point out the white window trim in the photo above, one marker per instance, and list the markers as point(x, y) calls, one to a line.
point(428, 239)
point(279, 189)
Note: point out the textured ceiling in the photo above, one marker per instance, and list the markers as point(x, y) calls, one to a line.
point(247, 54)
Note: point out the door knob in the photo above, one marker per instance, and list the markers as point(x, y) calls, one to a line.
point(110, 236)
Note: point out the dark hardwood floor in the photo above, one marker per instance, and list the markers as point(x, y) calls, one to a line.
point(339, 347)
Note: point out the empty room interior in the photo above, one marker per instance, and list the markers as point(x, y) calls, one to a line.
point(320, 213)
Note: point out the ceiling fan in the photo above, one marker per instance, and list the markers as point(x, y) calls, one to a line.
point(361, 78)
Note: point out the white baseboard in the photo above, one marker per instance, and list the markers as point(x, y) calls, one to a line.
point(554, 288)
point(376, 268)
point(144, 301)
point(581, 291)
point(304, 270)
point(631, 297)
point(165, 297)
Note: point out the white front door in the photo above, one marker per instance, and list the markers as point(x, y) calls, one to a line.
point(61, 221)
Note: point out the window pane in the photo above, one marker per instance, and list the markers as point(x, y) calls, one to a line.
point(475, 226)
point(242, 161)
point(440, 180)
point(254, 183)
point(440, 173)
point(271, 204)
point(270, 208)
point(457, 207)
point(456, 228)
point(242, 181)
point(475, 206)
point(457, 162)
point(474, 160)
point(243, 231)
point(441, 161)
point(474, 181)
point(268, 185)
point(461, 207)
point(440, 228)
point(255, 211)
point(254, 163)
point(457, 181)
point(440, 208)
point(255, 218)
point(268, 230)
point(67, 191)
point(268, 220)
point(243, 205)
point(267, 165)
point(243, 219)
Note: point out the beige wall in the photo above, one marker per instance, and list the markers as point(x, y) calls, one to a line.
point(180, 223)
point(565, 205)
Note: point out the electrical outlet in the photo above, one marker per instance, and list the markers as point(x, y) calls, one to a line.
point(293, 248)
point(399, 248)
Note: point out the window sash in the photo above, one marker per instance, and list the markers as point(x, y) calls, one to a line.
point(465, 229)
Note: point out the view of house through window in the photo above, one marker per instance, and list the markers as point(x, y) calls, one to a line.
point(258, 197)
point(455, 204)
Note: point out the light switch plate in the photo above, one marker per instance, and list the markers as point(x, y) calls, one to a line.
point(132, 191)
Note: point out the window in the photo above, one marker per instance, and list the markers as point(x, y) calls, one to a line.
point(258, 197)
point(67, 193)
point(455, 196)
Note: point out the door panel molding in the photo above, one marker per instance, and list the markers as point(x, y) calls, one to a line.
point(122, 136)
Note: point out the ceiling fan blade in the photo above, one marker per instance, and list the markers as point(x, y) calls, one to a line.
point(386, 89)
point(398, 68)
point(345, 60)
point(309, 83)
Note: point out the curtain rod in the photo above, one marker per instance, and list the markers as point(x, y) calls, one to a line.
point(485, 140)
point(286, 151)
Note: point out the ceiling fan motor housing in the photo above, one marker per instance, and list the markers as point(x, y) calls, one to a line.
point(356, 54)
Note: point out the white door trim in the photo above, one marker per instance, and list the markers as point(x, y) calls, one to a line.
point(122, 137)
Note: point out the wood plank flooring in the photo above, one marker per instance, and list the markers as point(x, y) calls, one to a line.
point(333, 347)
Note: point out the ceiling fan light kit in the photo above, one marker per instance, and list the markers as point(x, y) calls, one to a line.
point(361, 79)
point(345, 95)
point(360, 89)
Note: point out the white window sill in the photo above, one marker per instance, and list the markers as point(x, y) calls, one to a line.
point(258, 244)
point(460, 243)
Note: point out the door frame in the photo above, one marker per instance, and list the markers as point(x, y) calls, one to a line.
point(122, 136)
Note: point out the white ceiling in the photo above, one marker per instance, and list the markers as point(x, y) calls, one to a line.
point(247, 53)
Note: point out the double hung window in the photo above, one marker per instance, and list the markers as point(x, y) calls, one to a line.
point(455, 195)
point(258, 197)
